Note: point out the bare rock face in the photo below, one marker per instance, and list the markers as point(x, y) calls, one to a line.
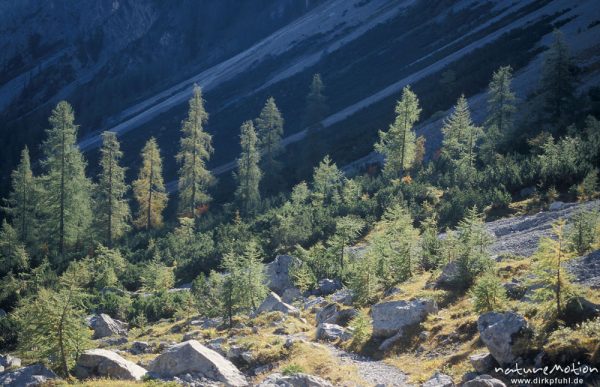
point(296, 380)
point(505, 335)
point(273, 303)
point(33, 375)
point(390, 318)
point(107, 364)
point(105, 326)
point(191, 357)
point(484, 381)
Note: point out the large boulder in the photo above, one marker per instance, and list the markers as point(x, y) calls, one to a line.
point(33, 375)
point(390, 318)
point(484, 381)
point(439, 380)
point(578, 309)
point(506, 335)
point(332, 332)
point(331, 314)
point(278, 273)
point(191, 357)
point(107, 364)
point(329, 286)
point(139, 347)
point(9, 361)
point(482, 362)
point(104, 326)
point(448, 276)
point(273, 303)
point(343, 296)
point(295, 380)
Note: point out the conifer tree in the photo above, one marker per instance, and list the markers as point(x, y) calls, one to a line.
point(501, 107)
point(53, 324)
point(558, 81)
point(253, 288)
point(460, 137)
point(13, 257)
point(248, 174)
point(398, 143)
point(112, 208)
point(195, 151)
point(347, 229)
point(550, 272)
point(21, 203)
point(328, 181)
point(316, 109)
point(149, 188)
point(67, 190)
point(269, 126)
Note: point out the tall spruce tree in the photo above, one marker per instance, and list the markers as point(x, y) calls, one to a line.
point(22, 200)
point(112, 208)
point(460, 138)
point(195, 150)
point(501, 107)
point(558, 82)
point(269, 126)
point(248, 174)
point(316, 109)
point(398, 143)
point(67, 203)
point(149, 188)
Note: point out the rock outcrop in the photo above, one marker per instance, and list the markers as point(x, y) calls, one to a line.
point(439, 380)
point(107, 364)
point(105, 326)
point(506, 335)
point(391, 318)
point(273, 303)
point(296, 380)
point(33, 375)
point(278, 273)
point(191, 357)
point(9, 361)
point(484, 381)
point(332, 332)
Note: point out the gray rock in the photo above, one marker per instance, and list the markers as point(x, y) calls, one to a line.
point(107, 364)
point(314, 303)
point(506, 335)
point(439, 380)
point(390, 318)
point(342, 296)
point(33, 375)
point(586, 269)
point(482, 362)
point(296, 380)
point(104, 326)
point(447, 278)
point(332, 332)
point(278, 273)
point(191, 335)
point(484, 381)
point(291, 294)
point(207, 323)
point(526, 192)
point(273, 303)
point(556, 206)
point(194, 358)
point(139, 347)
point(327, 314)
point(578, 310)
point(2, 313)
point(328, 286)
point(9, 361)
point(112, 341)
point(1, 369)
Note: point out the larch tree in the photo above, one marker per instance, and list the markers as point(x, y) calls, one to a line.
point(195, 151)
point(269, 126)
point(558, 81)
point(67, 204)
point(112, 208)
point(316, 110)
point(460, 137)
point(501, 108)
point(149, 188)
point(13, 257)
point(248, 172)
point(399, 142)
point(22, 200)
